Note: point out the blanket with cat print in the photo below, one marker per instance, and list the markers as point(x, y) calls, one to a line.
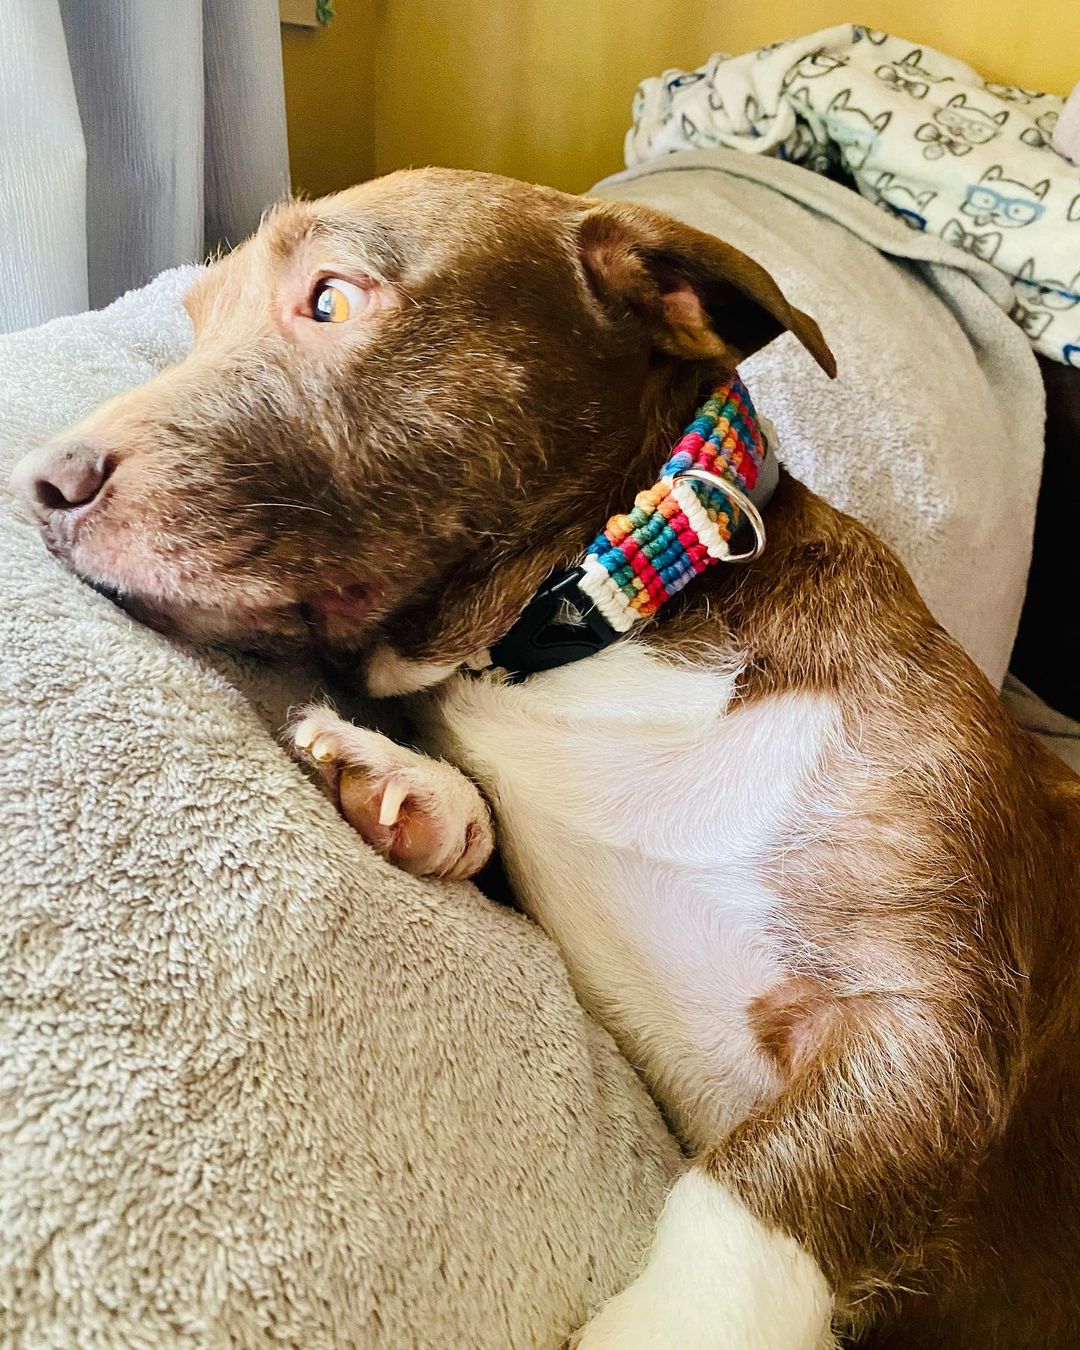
point(918, 132)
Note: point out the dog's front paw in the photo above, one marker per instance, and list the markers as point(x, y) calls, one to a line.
point(420, 813)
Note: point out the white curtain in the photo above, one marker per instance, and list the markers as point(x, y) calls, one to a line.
point(134, 135)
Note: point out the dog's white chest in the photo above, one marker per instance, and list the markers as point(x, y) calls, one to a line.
point(635, 813)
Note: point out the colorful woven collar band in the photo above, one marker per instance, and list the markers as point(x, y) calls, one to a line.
point(721, 471)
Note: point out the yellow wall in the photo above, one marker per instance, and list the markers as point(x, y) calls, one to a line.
point(330, 93)
point(541, 89)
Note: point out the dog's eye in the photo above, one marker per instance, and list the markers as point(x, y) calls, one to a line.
point(334, 300)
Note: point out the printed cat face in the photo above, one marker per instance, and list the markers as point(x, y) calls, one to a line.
point(902, 201)
point(1045, 293)
point(855, 131)
point(813, 66)
point(1011, 93)
point(997, 200)
point(968, 124)
point(912, 64)
point(842, 104)
point(908, 75)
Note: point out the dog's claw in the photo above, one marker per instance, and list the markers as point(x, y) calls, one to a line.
point(392, 801)
point(302, 735)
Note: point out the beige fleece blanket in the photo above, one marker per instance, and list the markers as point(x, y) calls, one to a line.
point(256, 1087)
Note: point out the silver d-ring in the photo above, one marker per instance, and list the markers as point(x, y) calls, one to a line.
point(741, 500)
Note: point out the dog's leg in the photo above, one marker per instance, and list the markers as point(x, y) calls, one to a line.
point(840, 1189)
point(420, 813)
point(717, 1279)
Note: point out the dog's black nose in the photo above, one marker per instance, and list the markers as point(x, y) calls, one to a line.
point(61, 477)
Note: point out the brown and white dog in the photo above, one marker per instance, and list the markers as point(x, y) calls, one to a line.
point(820, 888)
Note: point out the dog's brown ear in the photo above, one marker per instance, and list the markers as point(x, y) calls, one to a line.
point(699, 298)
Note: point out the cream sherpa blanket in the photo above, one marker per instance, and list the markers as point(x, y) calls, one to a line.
point(256, 1087)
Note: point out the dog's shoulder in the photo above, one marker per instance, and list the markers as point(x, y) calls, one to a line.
point(824, 605)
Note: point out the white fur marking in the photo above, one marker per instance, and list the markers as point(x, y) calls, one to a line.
point(717, 1279)
point(636, 808)
point(388, 674)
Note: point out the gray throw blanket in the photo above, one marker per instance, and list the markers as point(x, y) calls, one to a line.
point(932, 433)
point(256, 1087)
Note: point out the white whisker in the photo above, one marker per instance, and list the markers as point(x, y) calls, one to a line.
point(287, 506)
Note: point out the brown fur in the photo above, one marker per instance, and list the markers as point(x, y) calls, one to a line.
point(937, 1124)
point(535, 358)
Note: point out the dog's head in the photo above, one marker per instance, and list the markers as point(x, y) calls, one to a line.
point(391, 393)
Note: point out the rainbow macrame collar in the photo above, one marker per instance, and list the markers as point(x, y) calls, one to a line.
point(718, 477)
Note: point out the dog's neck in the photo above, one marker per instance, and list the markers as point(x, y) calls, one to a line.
point(503, 612)
point(711, 487)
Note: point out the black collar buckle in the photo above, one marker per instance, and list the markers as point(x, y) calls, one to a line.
point(542, 640)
